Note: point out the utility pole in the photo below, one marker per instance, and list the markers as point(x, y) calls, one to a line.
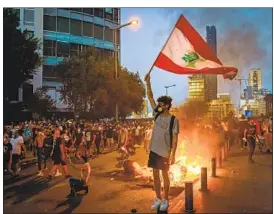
point(240, 82)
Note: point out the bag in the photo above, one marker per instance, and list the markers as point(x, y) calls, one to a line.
point(170, 127)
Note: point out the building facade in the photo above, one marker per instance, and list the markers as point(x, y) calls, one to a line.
point(269, 104)
point(196, 87)
point(257, 105)
point(220, 108)
point(211, 79)
point(65, 32)
point(255, 78)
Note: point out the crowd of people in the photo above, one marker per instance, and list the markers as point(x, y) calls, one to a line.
point(62, 139)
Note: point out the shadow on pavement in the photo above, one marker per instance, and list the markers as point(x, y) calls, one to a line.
point(30, 188)
point(72, 203)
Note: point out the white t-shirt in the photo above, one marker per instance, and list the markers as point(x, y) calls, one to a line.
point(160, 140)
point(16, 145)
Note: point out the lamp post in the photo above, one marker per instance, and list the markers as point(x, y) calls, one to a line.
point(133, 22)
point(168, 86)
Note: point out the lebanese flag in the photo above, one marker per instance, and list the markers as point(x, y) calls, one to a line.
point(186, 52)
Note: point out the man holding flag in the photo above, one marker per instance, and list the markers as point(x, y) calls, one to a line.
point(185, 52)
point(163, 145)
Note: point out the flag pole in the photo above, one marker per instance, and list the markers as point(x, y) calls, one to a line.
point(163, 46)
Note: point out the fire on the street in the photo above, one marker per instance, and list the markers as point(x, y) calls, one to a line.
point(186, 168)
point(183, 169)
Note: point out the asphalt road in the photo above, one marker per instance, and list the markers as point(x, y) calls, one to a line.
point(110, 190)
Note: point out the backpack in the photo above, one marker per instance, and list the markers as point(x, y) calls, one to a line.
point(170, 127)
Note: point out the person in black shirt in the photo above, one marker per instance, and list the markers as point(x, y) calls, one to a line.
point(48, 147)
point(59, 156)
point(250, 135)
point(7, 154)
point(98, 140)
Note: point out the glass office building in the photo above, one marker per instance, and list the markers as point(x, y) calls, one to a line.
point(68, 31)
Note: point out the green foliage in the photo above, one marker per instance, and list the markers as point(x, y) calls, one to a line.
point(39, 102)
point(20, 54)
point(90, 86)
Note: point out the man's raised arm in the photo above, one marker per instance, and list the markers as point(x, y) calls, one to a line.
point(149, 92)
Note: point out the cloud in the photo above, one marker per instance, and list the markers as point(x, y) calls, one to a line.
point(239, 37)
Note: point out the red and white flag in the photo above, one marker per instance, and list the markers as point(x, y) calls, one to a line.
point(186, 52)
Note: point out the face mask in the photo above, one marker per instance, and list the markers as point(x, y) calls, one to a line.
point(158, 109)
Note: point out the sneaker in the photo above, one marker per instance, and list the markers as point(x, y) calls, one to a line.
point(156, 204)
point(164, 205)
point(40, 174)
point(58, 174)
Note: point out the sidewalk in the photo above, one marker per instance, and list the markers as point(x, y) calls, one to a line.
point(239, 188)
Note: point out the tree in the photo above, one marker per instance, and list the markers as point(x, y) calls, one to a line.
point(39, 102)
point(194, 109)
point(90, 86)
point(20, 54)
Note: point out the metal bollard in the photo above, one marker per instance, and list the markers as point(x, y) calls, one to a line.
point(189, 197)
point(133, 211)
point(213, 167)
point(204, 179)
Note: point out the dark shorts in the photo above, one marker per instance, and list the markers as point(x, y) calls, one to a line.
point(252, 142)
point(156, 161)
point(58, 161)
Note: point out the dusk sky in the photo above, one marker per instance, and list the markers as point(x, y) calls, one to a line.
point(244, 40)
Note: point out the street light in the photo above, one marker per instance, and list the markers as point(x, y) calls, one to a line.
point(168, 86)
point(133, 22)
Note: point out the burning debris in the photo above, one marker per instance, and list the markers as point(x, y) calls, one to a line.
point(178, 173)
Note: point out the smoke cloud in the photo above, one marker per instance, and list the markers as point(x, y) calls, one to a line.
point(238, 38)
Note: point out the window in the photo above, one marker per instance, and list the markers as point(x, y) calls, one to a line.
point(74, 49)
point(50, 23)
point(98, 32)
point(17, 11)
point(48, 71)
point(29, 16)
point(109, 34)
point(116, 14)
point(49, 48)
point(108, 53)
point(50, 11)
point(84, 48)
point(108, 10)
point(63, 24)
point(75, 27)
point(100, 51)
point(62, 49)
point(64, 8)
point(77, 9)
point(98, 12)
point(88, 11)
point(87, 29)
point(108, 13)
